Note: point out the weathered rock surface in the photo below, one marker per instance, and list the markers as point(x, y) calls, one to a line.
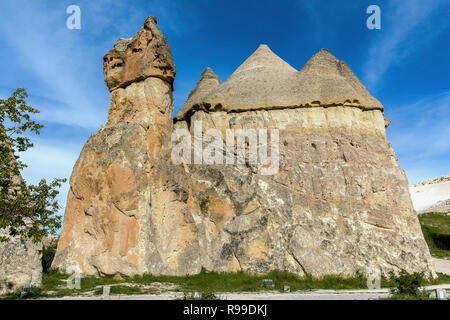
point(20, 259)
point(20, 264)
point(129, 210)
point(145, 55)
point(432, 196)
point(265, 81)
point(339, 203)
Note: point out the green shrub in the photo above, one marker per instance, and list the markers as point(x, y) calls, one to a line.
point(436, 231)
point(204, 204)
point(408, 284)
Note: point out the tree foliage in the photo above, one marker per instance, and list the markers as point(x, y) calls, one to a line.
point(27, 210)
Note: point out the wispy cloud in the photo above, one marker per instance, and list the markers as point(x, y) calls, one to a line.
point(419, 134)
point(406, 26)
point(63, 70)
point(54, 56)
point(67, 64)
point(50, 159)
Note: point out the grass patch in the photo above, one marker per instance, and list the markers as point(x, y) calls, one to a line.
point(126, 290)
point(397, 296)
point(408, 286)
point(436, 231)
point(245, 282)
point(207, 284)
point(54, 285)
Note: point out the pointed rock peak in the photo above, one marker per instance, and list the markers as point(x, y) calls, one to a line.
point(263, 57)
point(263, 48)
point(145, 55)
point(330, 81)
point(322, 60)
point(151, 20)
point(208, 73)
point(208, 81)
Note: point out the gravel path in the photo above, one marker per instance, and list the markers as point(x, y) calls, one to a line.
point(312, 295)
point(442, 265)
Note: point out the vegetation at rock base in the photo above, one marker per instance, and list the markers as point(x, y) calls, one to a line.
point(436, 231)
point(203, 295)
point(407, 286)
point(208, 284)
point(27, 210)
point(48, 253)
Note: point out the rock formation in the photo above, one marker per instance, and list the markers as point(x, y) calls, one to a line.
point(432, 196)
point(338, 204)
point(20, 264)
point(129, 211)
point(20, 260)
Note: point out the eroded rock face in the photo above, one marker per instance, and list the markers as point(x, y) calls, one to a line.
point(20, 264)
point(129, 210)
point(20, 259)
point(338, 204)
point(145, 55)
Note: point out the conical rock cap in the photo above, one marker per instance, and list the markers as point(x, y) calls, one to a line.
point(327, 81)
point(205, 84)
point(258, 82)
point(265, 81)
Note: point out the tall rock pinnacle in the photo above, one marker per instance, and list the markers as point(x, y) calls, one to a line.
point(128, 211)
point(147, 54)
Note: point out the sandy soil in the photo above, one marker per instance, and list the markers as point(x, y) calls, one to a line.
point(442, 266)
point(427, 194)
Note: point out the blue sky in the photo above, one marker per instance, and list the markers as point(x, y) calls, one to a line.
point(405, 65)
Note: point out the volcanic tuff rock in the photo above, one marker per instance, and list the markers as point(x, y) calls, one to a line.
point(145, 55)
point(338, 204)
point(265, 81)
point(432, 196)
point(20, 263)
point(20, 260)
point(129, 210)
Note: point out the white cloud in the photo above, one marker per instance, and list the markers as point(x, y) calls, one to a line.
point(48, 160)
point(403, 23)
point(39, 41)
point(419, 134)
point(66, 69)
point(67, 64)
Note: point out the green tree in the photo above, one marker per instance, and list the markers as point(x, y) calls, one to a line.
point(27, 210)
